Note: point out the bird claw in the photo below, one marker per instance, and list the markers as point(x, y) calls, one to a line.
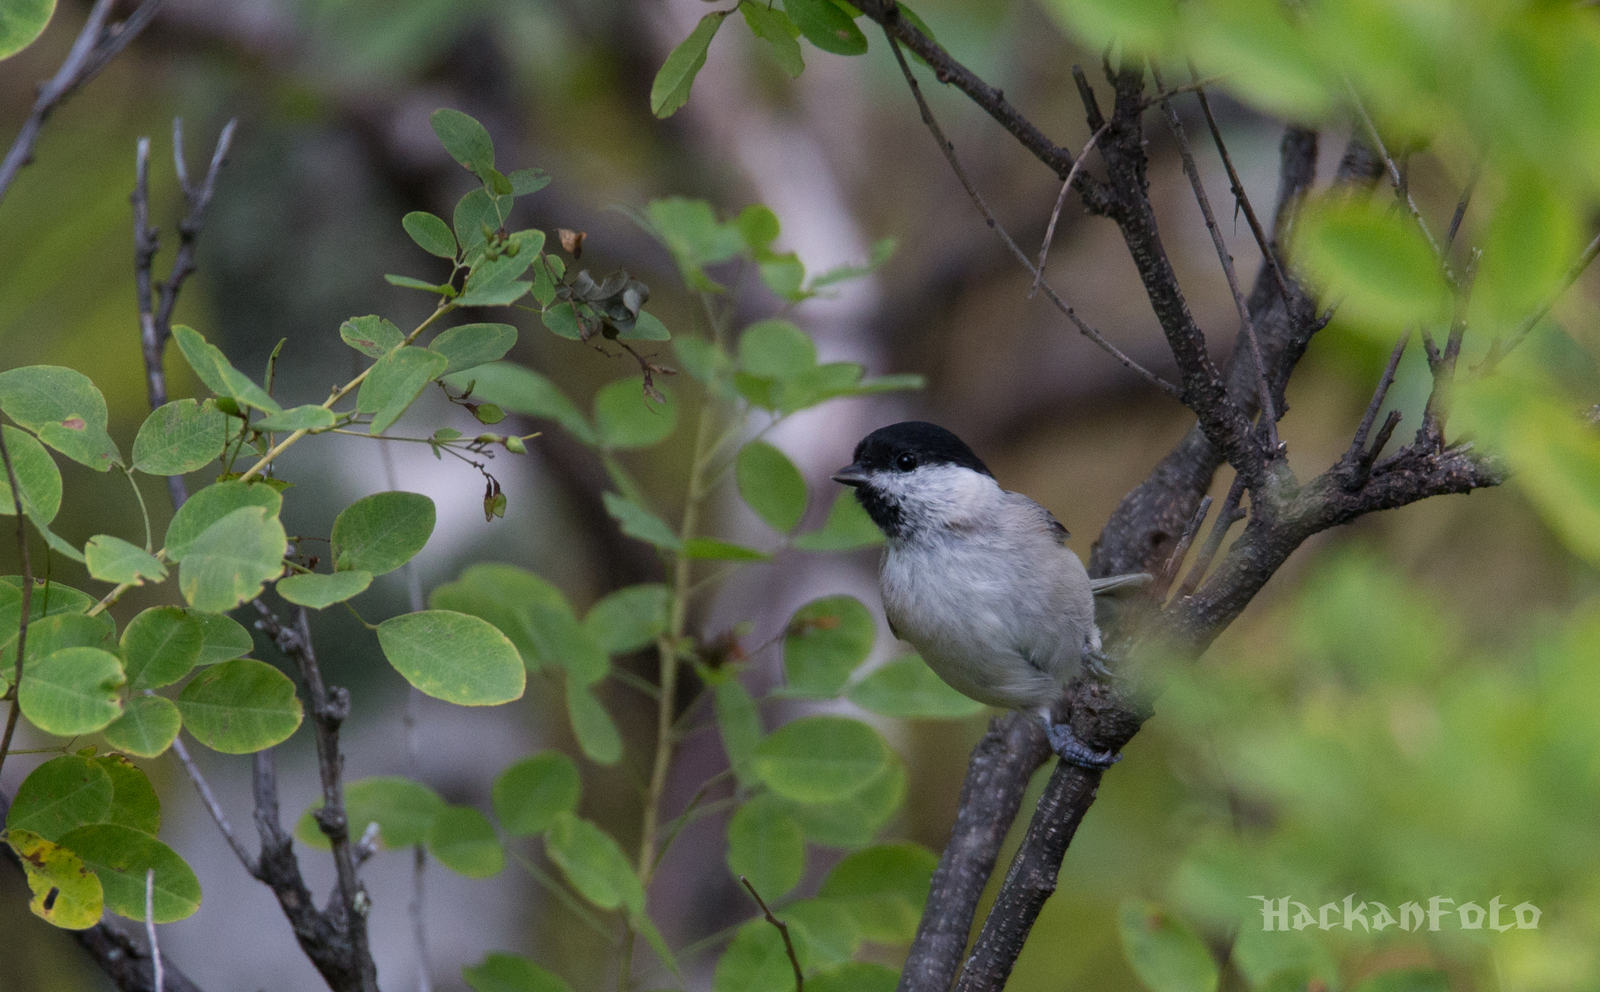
point(1094, 661)
point(1073, 751)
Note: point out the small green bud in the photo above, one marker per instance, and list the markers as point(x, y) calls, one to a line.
point(515, 446)
point(229, 406)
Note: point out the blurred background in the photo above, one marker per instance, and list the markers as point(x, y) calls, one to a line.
point(1409, 709)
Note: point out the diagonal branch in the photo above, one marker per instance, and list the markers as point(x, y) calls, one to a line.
point(213, 807)
point(96, 45)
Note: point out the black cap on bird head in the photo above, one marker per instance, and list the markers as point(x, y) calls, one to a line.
point(902, 448)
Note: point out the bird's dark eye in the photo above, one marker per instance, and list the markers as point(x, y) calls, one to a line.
point(906, 462)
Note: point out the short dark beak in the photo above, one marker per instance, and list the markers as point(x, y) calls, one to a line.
point(851, 475)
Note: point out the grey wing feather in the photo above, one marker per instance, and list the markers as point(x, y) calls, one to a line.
point(1121, 585)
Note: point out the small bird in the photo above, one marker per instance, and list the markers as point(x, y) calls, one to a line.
point(980, 580)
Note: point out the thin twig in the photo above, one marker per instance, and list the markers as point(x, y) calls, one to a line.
point(1169, 571)
point(1239, 196)
point(215, 808)
point(1269, 418)
point(150, 928)
point(1061, 200)
point(1461, 204)
point(1499, 352)
point(26, 605)
point(783, 930)
point(1398, 180)
point(1226, 518)
point(948, 150)
point(1358, 444)
point(1458, 323)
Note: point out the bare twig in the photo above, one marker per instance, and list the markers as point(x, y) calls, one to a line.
point(1061, 200)
point(948, 151)
point(150, 928)
point(1269, 418)
point(95, 46)
point(1397, 179)
point(1169, 571)
point(212, 806)
point(1499, 351)
point(26, 604)
point(1358, 444)
point(783, 931)
point(1461, 204)
point(1229, 515)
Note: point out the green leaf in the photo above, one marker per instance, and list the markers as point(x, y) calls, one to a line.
point(776, 349)
point(23, 23)
point(51, 633)
point(1140, 25)
point(300, 418)
point(111, 559)
point(646, 327)
point(122, 857)
point(1163, 951)
point(218, 373)
point(56, 543)
point(705, 361)
point(471, 345)
point(785, 275)
point(454, 657)
point(160, 646)
point(525, 181)
point(855, 976)
point(593, 863)
point(1402, 980)
point(826, 639)
point(381, 532)
point(64, 409)
point(532, 613)
point(739, 722)
point(767, 847)
point(771, 485)
point(628, 619)
point(906, 687)
point(1267, 59)
point(133, 799)
point(371, 335)
point(847, 527)
point(1530, 241)
point(882, 249)
point(232, 559)
point(225, 639)
point(180, 437)
point(210, 505)
point(757, 961)
point(596, 732)
point(465, 139)
point(60, 795)
point(1376, 260)
point(240, 706)
point(511, 973)
point(826, 26)
point(714, 550)
point(493, 282)
point(37, 477)
point(49, 598)
point(407, 282)
point(464, 841)
point(320, 591)
point(65, 892)
point(473, 213)
point(430, 233)
point(403, 810)
point(562, 321)
point(829, 933)
point(638, 522)
point(695, 238)
point(625, 418)
point(521, 390)
point(395, 382)
point(147, 727)
point(671, 87)
point(72, 691)
point(884, 888)
point(774, 26)
point(819, 759)
point(528, 795)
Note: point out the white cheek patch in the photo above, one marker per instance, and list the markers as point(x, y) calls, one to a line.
point(939, 494)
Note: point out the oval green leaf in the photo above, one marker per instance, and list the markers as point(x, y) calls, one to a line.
point(847, 527)
point(464, 841)
point(298, 418)
point(37, 477)
point(60, 795)
point(224, 638)
point(122, 856)
point(455, 657)
point(596, 732)
point(1163, 951)
point(147, 727)
point(240, 706)
point(821, 759)
point(671, 87)
point(218, 373)
point(232, 559)
point(637, 522)
point(211, 504)
point(629, 619)
point(511, 973)
point(23, 23)
point(403, 810)
point(381, 532)
point(593, 863)
point(371, 335)
point(771, 485)
point(64, 409)
point(625, 418)
point(471, 345)
point(464, 138)
point(906, 687)
point(529, 794)
point(827, 638)
point(180, 437)
point(320, 591)
point(72, 691)
point(133, 800)
point(522, 390)
point(776, 349)
point(394, 382)
point(884, 888)
point(160, 646)
point(111, 559)
point(766, 846)
point(430, 233)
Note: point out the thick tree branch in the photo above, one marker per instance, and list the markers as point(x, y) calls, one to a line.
point(95, 46)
